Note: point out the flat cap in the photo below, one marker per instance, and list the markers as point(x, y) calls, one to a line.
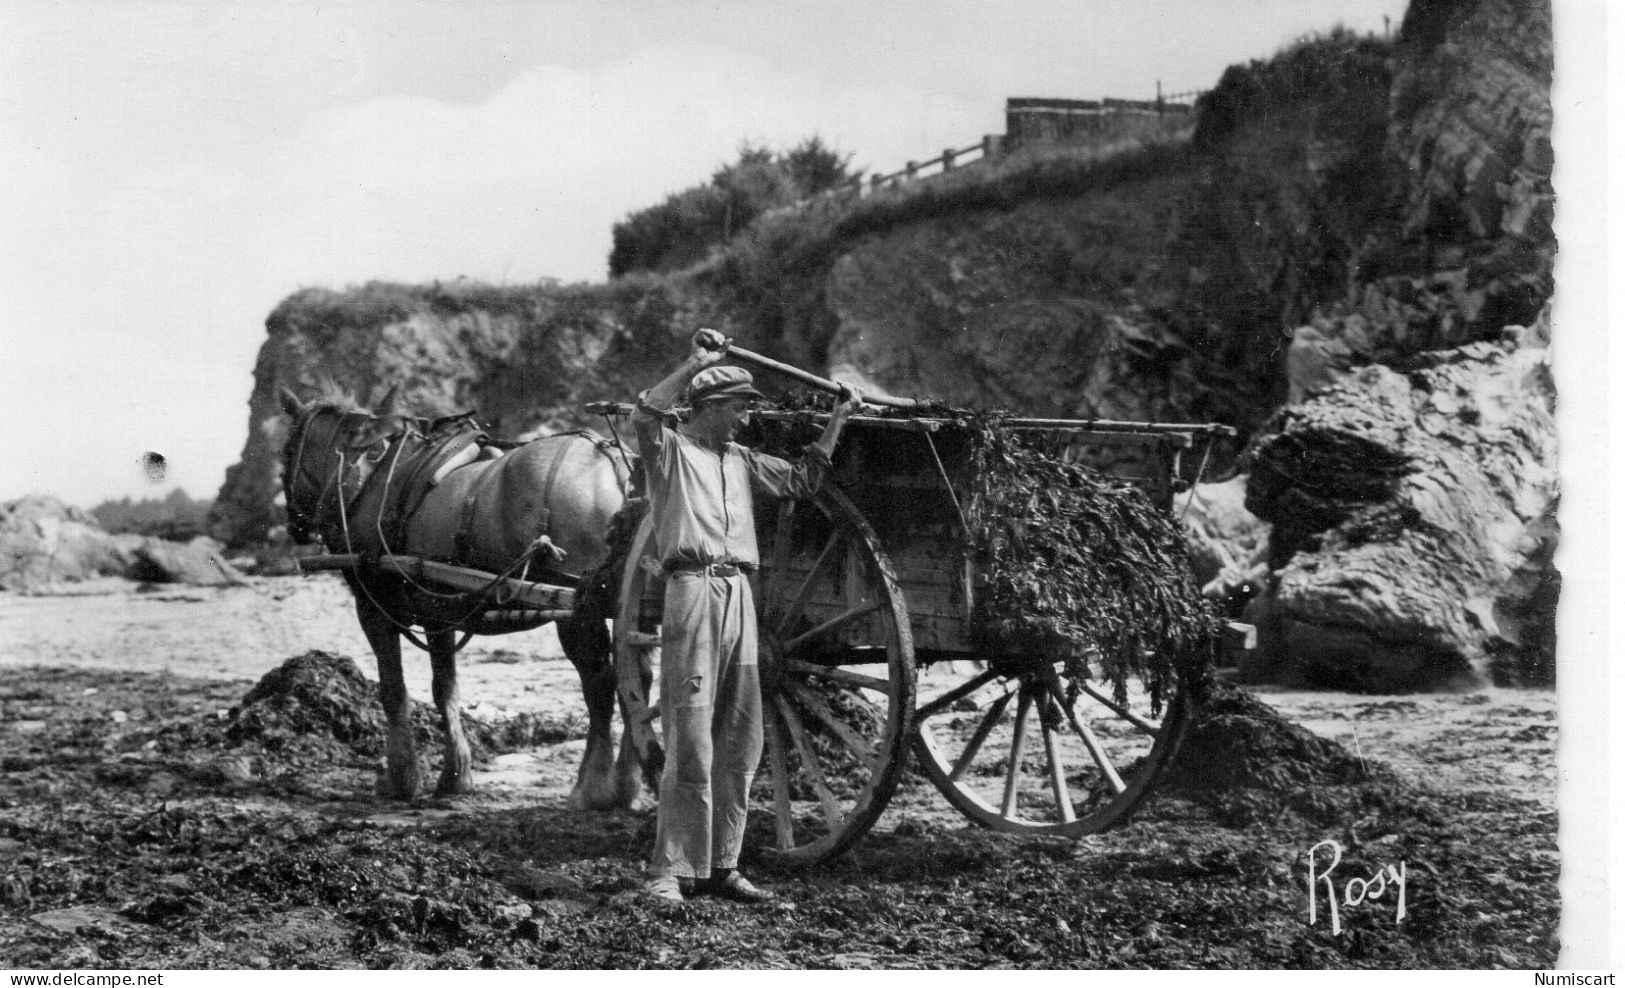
point(721, 382)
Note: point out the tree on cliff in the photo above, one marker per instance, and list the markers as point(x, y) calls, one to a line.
point(682, 229)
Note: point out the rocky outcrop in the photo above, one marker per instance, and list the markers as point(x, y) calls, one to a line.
point(196, 563)
point(1466, 245)
point(45, 544)
point(1406, 554)
point(1407, 513)
point(984, 313)
point(1471, 124)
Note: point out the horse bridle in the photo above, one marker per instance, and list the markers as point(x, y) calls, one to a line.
point(303, 523)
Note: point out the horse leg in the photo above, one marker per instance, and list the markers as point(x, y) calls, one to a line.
point(400, 780)
point(456, 778)
point(598, 786)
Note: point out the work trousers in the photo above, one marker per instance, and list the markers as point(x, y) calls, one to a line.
point(711, 720)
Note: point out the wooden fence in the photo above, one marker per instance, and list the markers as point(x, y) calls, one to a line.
point(991, 146)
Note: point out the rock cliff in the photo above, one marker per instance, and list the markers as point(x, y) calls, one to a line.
point(1341, 215)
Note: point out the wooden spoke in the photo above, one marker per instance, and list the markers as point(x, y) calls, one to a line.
point(783, 823)
point(836, 675)
point(1057, 774)
point(820, 710)
point(977, 739)
point(845, 617)
point(953, 751)
point(959, 692)
point(815, 772)
point(1086, 734)
point(1018, 738)
point(1149, 727)
point(803, 593)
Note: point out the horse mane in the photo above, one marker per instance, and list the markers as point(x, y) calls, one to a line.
point(330, 392)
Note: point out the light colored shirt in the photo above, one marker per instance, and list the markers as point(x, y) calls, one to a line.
point(700, 498)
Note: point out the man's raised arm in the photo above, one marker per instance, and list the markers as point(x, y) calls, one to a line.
point(851, 401)
point(708, 348)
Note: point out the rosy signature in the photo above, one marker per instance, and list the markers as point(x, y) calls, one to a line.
point(1356, 890)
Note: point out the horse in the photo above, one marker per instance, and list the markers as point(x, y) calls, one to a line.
point(541, 509)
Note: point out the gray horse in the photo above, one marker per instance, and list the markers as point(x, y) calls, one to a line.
point(541, 511)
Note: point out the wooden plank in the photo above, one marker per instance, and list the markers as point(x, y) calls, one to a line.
point(1179, 439)
point(544, 596)
point(541, 595)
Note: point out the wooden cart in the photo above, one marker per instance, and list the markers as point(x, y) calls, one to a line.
point(865, 599)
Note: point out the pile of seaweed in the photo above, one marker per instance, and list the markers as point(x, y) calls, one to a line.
point(1246, 762)
point(1081, 566)
point(318, 708)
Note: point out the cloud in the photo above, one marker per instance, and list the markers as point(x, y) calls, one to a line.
point(413, 187)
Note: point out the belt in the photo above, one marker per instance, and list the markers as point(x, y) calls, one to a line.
point(708, 569)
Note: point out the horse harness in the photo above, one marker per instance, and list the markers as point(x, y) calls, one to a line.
point(424, 446)
point(463, 541)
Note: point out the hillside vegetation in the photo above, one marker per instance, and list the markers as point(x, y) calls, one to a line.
point(684, 228)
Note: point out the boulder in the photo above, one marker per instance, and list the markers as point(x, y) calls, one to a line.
point(1411, 539)
point(197, 563)
point(45, 543)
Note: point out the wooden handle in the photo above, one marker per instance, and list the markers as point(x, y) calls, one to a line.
point(822, 383)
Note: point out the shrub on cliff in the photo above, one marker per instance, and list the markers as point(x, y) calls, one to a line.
point(1317, 69)
point(682, 229)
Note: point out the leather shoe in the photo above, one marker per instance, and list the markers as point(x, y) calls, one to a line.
point(734, 886)
point(666, 888)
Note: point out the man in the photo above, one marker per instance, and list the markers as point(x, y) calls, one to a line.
point(700, 484)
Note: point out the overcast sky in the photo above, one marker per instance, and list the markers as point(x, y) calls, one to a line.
point(170, 171)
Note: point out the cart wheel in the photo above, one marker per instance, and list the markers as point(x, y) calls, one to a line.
point(637, 649)
point(837, 676)
point(1003, 746)
point(837, 668)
